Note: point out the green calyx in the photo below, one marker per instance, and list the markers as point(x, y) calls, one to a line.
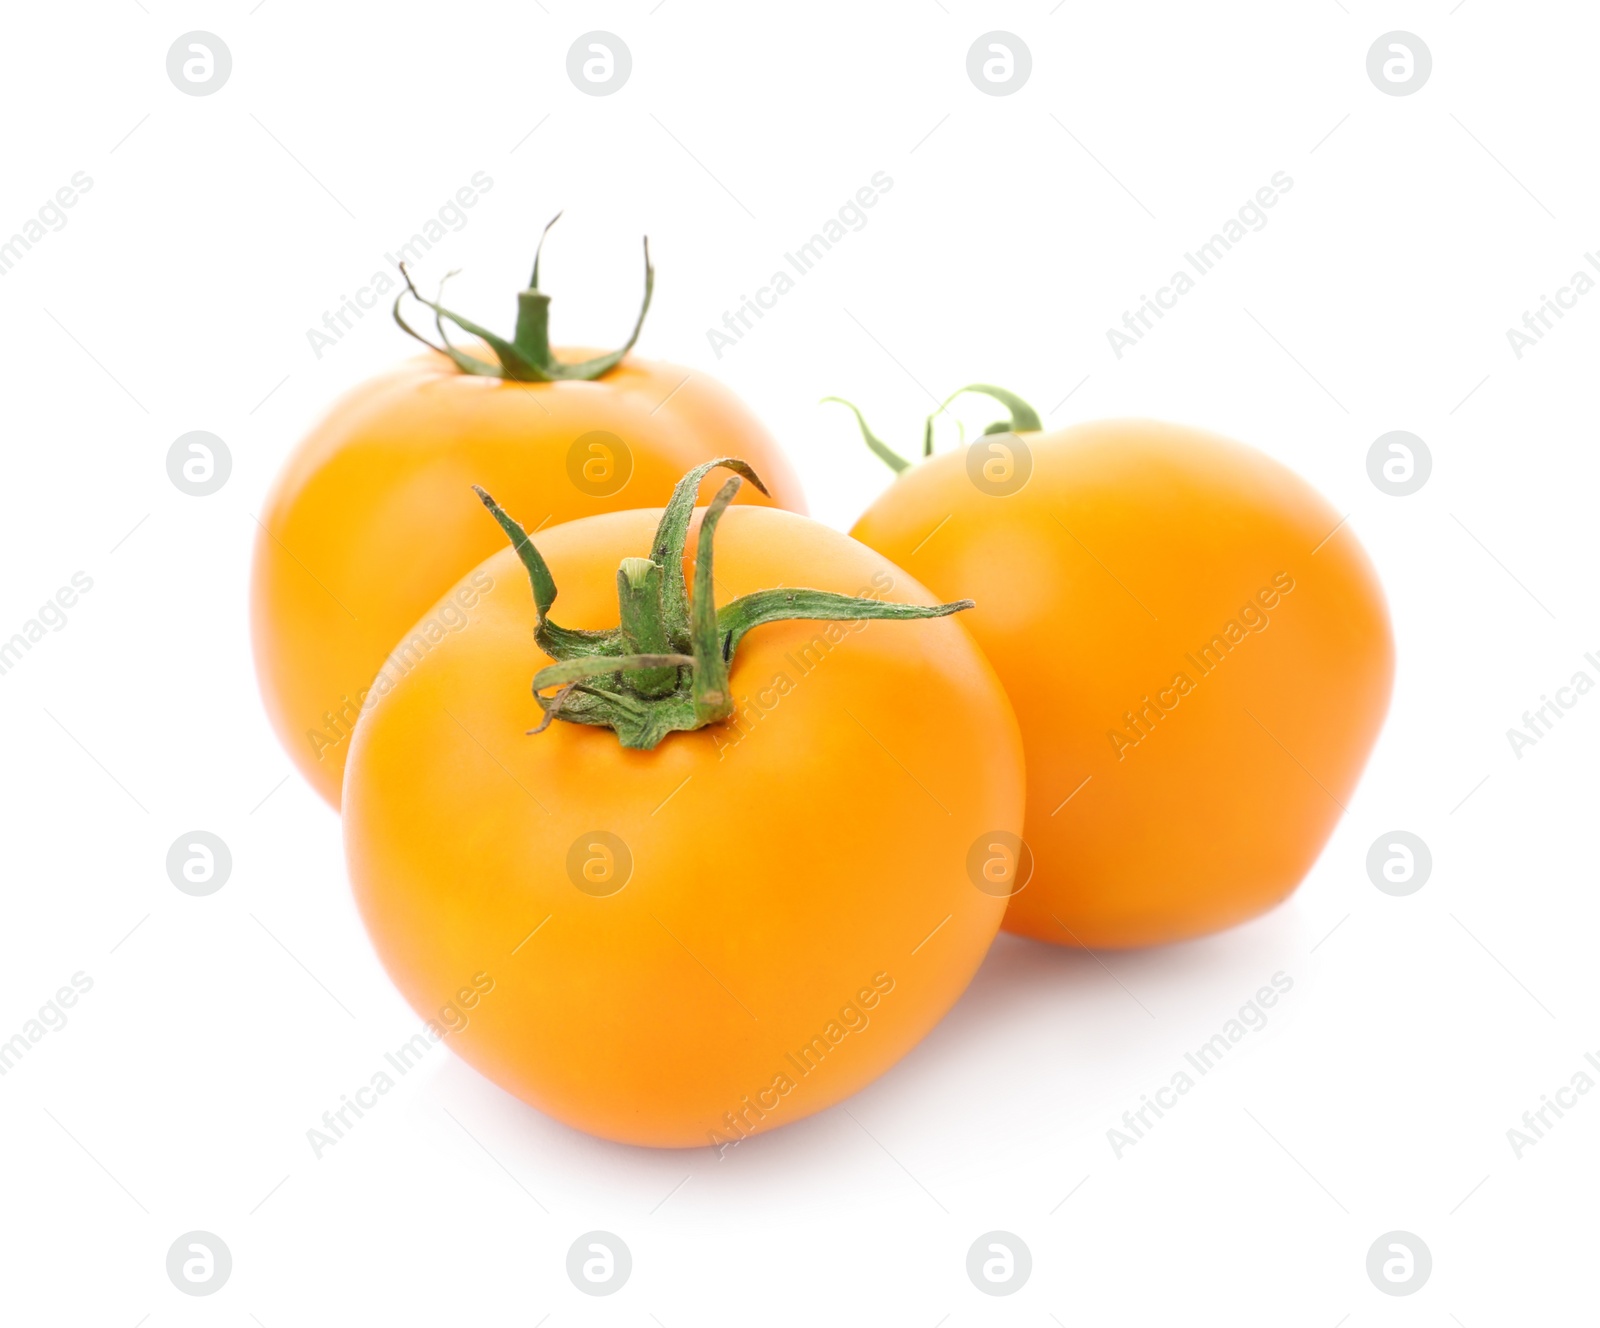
point(527, 357)
point(664, 668)
point(1024, 419)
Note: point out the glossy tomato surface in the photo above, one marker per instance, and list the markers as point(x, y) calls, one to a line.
point(1198, 651)
point(736, 929)
point(373, 518)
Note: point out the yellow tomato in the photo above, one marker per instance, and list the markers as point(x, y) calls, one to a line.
point(733, 929)
point(1198, 651)
point(373, 519)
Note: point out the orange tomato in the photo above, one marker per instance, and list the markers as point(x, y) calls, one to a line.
point(1197, 648)
point(741, 926)
point(372, 519)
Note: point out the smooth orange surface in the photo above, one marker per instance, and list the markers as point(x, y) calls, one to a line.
point(373, 518)
point(1102, 586)
point(800, 909)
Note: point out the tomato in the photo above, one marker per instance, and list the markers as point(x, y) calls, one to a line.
point(372, 519)
point(1197, 648)
point(747, 901)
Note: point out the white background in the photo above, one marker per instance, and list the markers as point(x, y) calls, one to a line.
point(1019, 228)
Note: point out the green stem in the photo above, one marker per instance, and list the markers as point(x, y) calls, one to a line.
point(1024, 419)
point(881, 449)
point(644, 629)
point(665, 668)
point(527, 357)
point(674, 530)
point(712, 699)
point(576, 670)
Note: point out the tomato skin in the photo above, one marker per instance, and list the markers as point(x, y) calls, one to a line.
point(1098, 584)
point(782, 864)
point(373, 518)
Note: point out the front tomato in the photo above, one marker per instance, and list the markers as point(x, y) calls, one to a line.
point(757, 905)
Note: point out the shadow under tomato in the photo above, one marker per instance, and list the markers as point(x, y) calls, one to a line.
point(1041, 1041)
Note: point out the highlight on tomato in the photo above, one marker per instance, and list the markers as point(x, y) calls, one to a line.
point(365, 528)
point(740, 846)
point(1197, 647)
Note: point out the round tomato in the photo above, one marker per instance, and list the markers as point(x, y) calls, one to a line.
point(372, 519)
point(702, 898)
point(1197, 648)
